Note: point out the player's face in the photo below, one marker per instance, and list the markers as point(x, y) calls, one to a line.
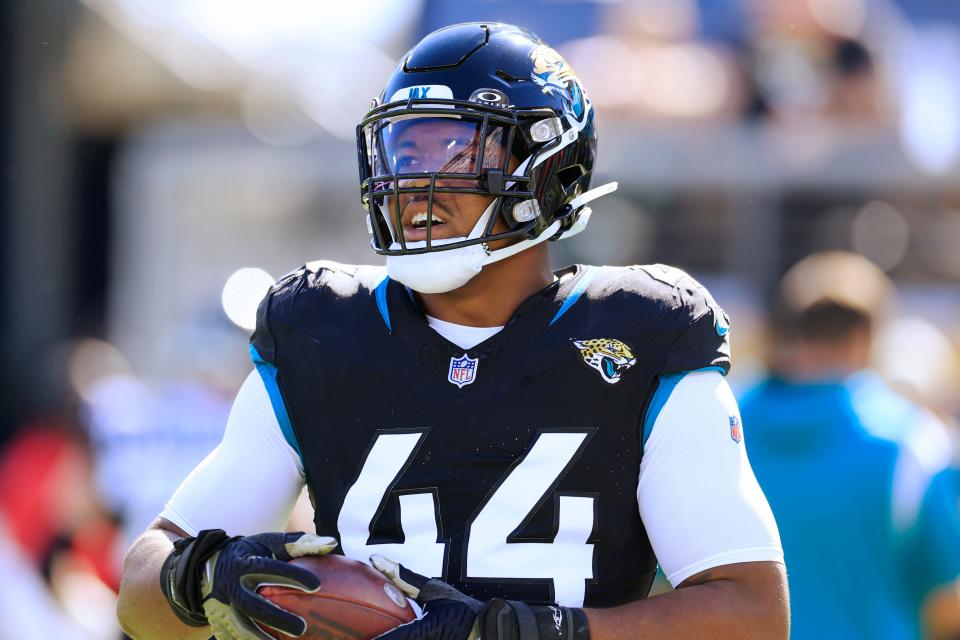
point(442, 145)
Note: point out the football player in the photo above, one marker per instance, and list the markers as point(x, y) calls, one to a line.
point(515, 448)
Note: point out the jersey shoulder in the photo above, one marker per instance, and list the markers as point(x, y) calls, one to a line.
point(665, 300)
point(313, 298)
point(321, 282)
point(663, 294)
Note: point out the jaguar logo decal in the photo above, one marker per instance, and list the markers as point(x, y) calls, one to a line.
point(609, 357)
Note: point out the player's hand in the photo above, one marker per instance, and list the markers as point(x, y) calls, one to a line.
point(212, 579)
point(449, 614)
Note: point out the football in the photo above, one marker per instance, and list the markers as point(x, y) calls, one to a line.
point(354, 601)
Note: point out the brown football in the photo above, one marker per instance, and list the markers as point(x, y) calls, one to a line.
point(354, 601)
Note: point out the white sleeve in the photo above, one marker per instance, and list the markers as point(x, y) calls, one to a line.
point(250, 482)
point(698, 497)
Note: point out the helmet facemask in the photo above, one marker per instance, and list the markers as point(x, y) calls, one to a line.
point(412, 150)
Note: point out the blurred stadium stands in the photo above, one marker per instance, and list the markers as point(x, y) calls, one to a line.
point(153, 149)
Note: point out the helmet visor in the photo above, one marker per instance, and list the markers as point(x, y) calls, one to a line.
point(434, 145)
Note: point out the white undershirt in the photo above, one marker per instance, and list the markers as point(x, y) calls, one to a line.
point(696, 493)
point(462, 335)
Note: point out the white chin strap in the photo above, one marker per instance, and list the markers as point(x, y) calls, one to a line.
point(442, 271)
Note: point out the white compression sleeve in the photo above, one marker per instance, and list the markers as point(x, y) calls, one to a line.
point(698, 497)
point(250, 482)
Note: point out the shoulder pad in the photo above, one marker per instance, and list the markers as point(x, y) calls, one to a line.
point(691, 294)
point(303, 297)
point(704, 342)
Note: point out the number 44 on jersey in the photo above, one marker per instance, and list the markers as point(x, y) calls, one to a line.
point(567, 561)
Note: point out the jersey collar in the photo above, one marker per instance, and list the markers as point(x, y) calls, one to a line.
point(534, 315)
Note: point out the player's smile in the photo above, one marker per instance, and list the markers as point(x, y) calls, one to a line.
point(414, 218)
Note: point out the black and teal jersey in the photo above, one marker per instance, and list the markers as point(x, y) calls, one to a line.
point(510, 468)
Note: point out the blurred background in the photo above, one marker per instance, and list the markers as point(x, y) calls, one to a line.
point(165, 161)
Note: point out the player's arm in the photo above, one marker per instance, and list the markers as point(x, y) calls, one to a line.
point(744, 600)
point(709, 524)
point(142, 610)
point(248, 484)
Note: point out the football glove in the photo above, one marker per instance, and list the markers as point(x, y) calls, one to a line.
point(212, 579)
point(449, 614)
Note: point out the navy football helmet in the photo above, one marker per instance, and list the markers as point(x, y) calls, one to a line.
point(500, 114)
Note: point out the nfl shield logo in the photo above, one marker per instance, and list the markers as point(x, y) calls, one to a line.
point(462, 370)
point(736, 432)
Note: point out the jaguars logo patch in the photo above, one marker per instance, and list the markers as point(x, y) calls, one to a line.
point(609, 357)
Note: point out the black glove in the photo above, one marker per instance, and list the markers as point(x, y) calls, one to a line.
point(449, 614)
point(213, 579)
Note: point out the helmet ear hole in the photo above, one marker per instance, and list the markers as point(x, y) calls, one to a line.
point(569, 177)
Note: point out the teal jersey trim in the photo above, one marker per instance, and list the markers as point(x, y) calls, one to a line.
point(381, 295)
point(576, 293)
point(665, 389)
point(716, 368)
point(268, 373)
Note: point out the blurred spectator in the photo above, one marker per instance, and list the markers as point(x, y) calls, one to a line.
point(147, 436)
point(29, 609)
point(662, 71)
point(861, 480)
point(57, 543)
point(855, 92)
point(919, 361)
point(812, 62)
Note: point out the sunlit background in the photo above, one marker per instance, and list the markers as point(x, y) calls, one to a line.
point(165, 161)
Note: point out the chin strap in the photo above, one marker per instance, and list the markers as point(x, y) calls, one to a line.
point(546, 234)
point(592, 194)
point(499, 254)
point(584, 218)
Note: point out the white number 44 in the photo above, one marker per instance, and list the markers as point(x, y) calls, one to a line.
point(567, 561)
